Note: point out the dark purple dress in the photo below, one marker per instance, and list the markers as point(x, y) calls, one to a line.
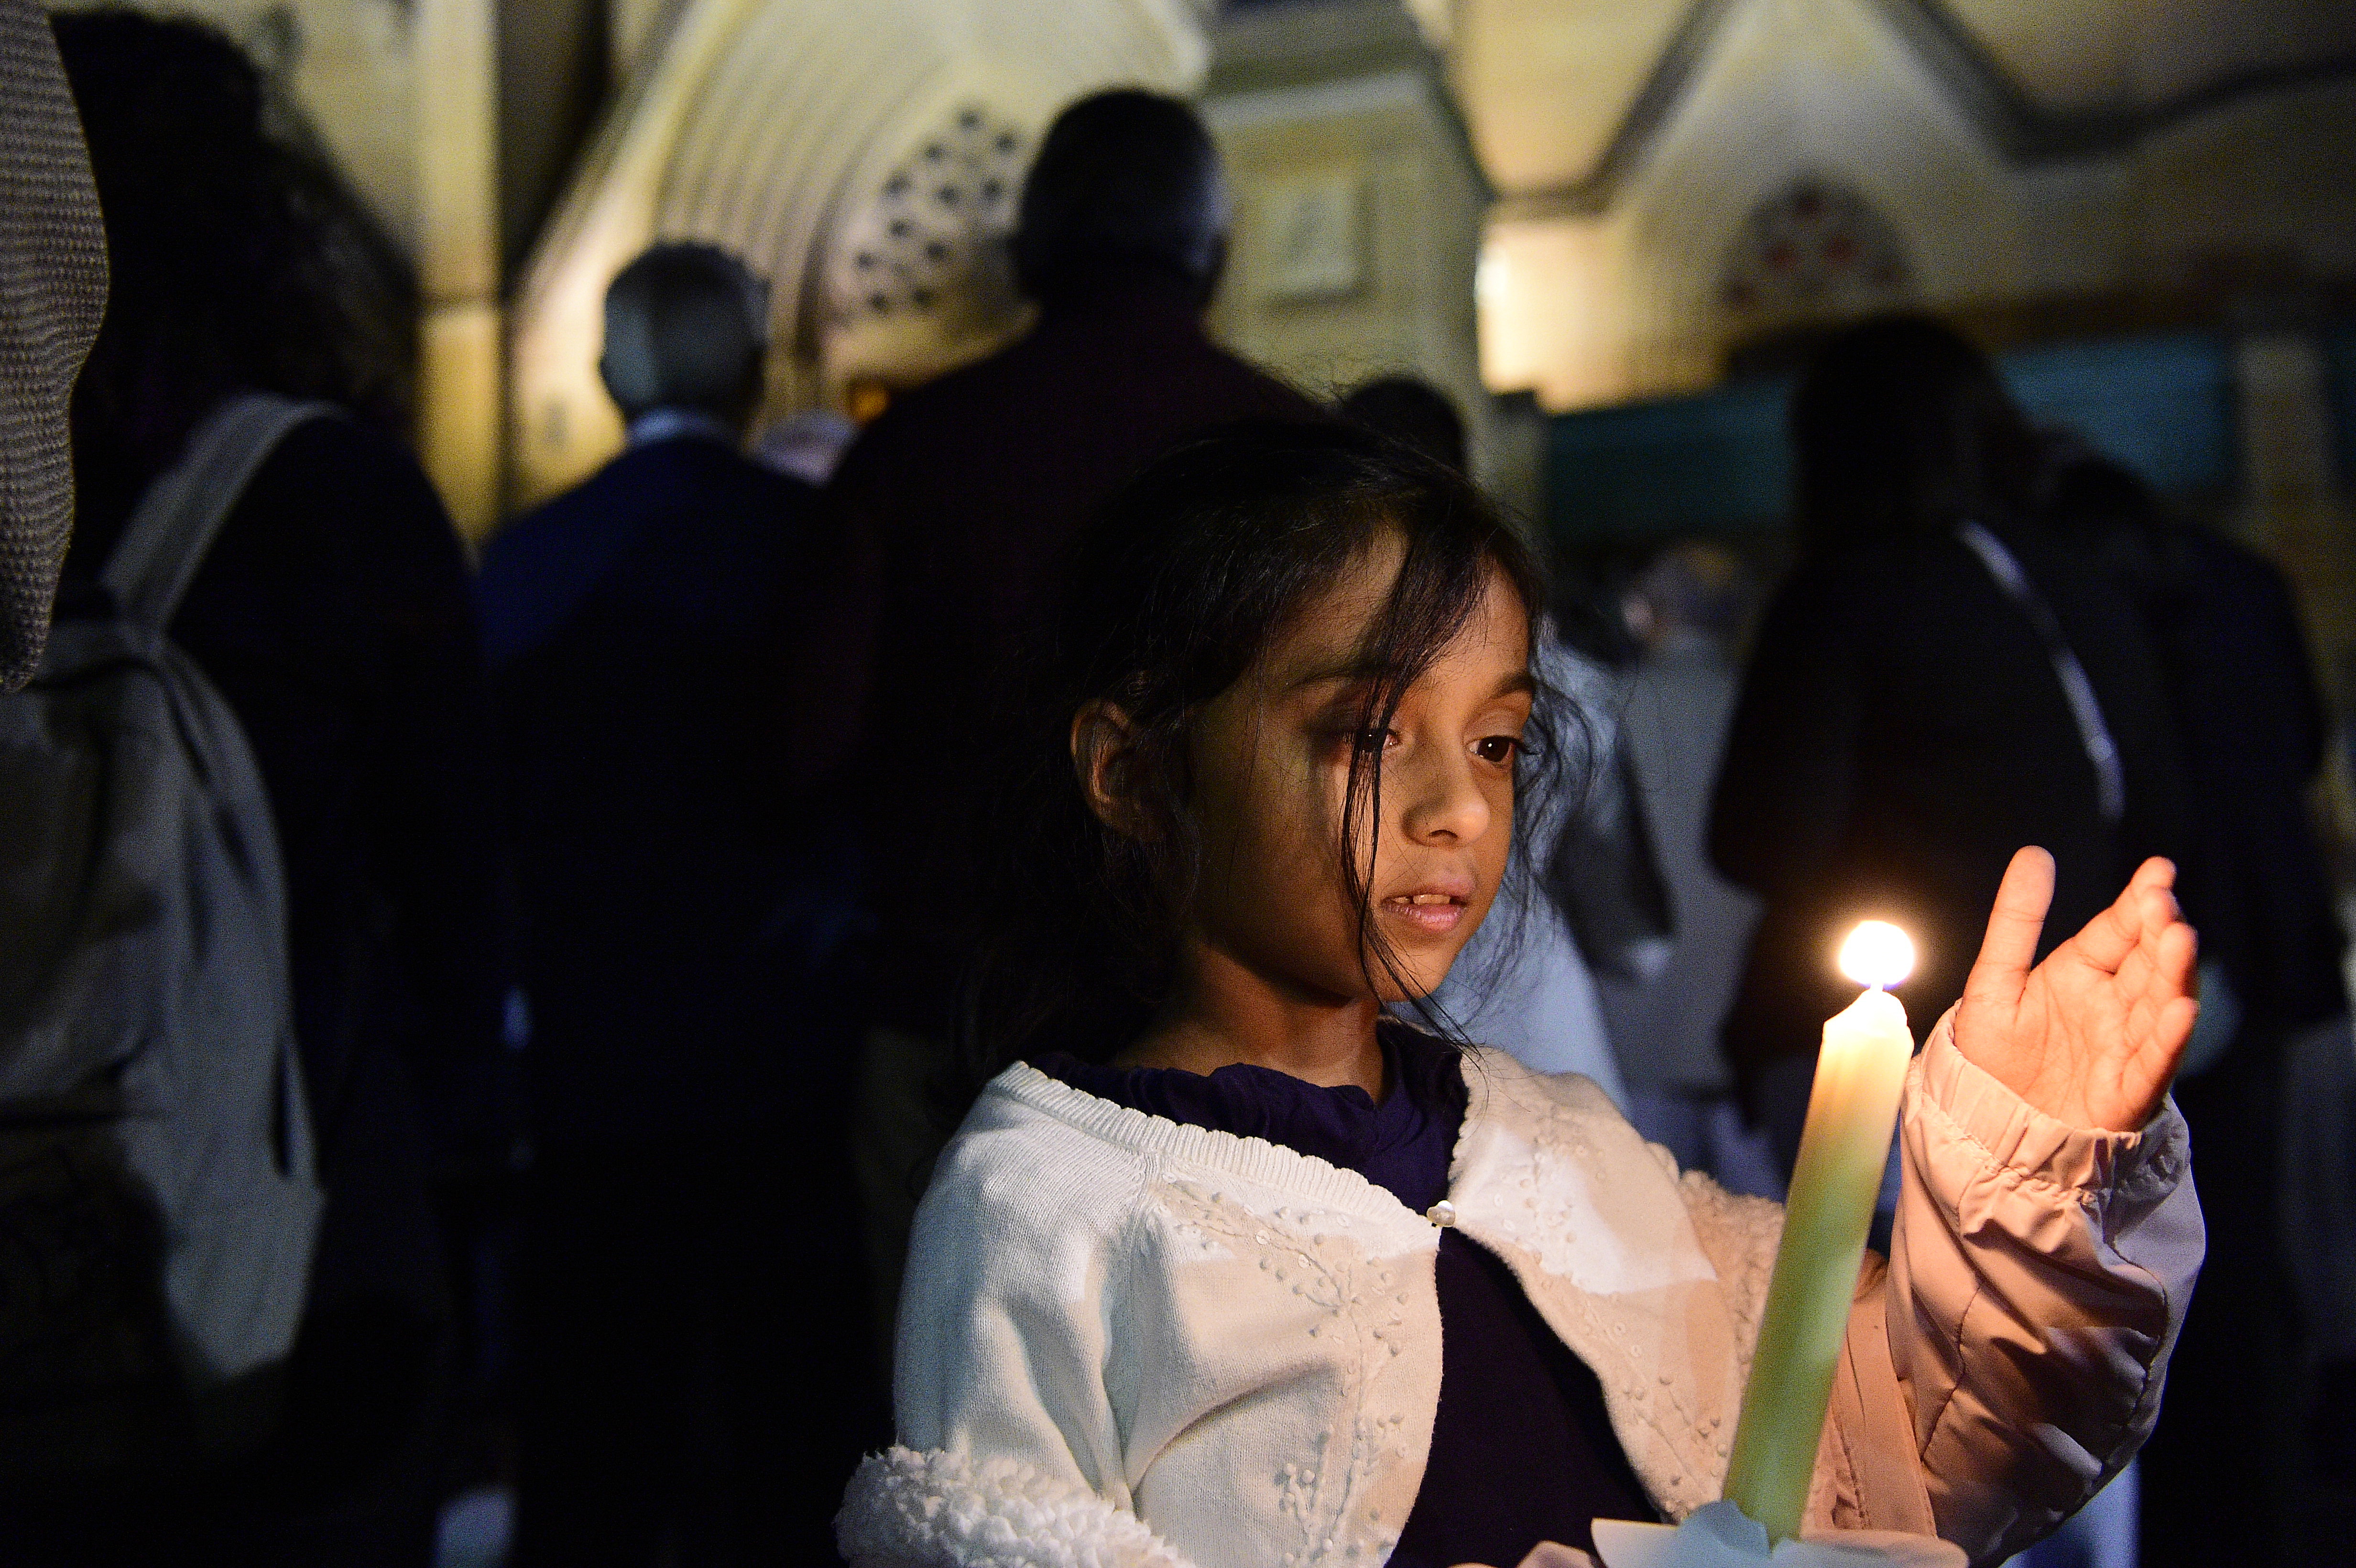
point(1522, 1450)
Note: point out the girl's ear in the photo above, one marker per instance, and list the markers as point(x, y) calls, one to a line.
point(1104, 756)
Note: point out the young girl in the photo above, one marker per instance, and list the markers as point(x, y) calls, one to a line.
point(1225, 1269)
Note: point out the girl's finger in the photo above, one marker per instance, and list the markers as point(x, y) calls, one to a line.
point(2168, 1004)
point(2177, 959)
point(2155, 884)
point(2174, 1032)
point(2111, 935)
point(2014, 924)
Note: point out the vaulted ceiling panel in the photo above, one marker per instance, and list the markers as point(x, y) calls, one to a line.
point(1546, 82)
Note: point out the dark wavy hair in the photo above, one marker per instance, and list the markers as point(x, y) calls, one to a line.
point(239, 258)
point(1173, 592)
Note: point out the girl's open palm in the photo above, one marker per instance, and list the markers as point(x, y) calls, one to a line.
point(2090, 1036)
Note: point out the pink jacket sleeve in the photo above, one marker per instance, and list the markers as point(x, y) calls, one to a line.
point(2009, 1361)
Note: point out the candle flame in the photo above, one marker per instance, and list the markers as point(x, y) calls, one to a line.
point(1878, 954)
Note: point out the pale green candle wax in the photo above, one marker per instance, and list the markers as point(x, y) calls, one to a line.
point(1852, 1109)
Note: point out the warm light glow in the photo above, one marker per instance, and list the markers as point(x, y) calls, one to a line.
point(1878, 954)
point(1490, 277)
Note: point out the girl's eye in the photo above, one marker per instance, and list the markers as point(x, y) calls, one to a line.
point(1497, 749)
point(1375, 740)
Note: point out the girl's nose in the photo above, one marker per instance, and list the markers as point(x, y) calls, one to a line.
point(1444, 799)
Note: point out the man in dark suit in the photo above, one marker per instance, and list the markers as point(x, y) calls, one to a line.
point(670, 969)
point(955, 504)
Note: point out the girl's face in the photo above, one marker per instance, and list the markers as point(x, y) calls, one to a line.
point(1270, 761)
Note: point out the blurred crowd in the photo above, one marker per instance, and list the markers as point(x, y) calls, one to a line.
point(622, 877)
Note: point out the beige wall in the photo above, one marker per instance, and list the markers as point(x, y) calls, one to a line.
point(1359, 210)
point(1357, 229)
point(2274, 177)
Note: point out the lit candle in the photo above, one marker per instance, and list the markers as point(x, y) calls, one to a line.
point(1852, 1110)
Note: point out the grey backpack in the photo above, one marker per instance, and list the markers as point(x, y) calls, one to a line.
point(157, 1201)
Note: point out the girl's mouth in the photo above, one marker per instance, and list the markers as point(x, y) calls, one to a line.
point(1437, 914)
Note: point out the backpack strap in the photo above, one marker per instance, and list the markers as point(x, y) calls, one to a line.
point(2085, 708)
point(176, 521)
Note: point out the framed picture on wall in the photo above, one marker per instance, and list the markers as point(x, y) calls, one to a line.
point(1312, 235)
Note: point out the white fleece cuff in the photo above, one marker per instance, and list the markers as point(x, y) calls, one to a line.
point(939, 1509)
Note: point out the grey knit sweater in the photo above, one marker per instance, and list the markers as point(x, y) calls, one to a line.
point(52, 289)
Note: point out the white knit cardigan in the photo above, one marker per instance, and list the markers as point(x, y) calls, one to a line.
point(1125, 1341)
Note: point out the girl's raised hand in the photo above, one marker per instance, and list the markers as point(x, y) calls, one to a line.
point(2092, 1036)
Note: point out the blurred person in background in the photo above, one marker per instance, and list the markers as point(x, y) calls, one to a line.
point(1937, 682)
point(1686, 610)
point(2268, 1084)
point(676, 928)
point(956, 504)
point(1596, 903)
point(1412, 412)
point(333, 615)
point(1934, 685)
